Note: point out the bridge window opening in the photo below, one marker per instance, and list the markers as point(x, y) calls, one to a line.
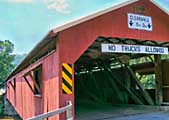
point(106, 81)
point(37, 73)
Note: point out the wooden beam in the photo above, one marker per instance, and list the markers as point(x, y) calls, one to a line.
point(158, 79)
point(36, 85)
point(144, 68)
point(165, 86)
point(145, 71)
point(127, 82)
point(12, 85)
point(138, 83)
point(26, 74)
point(28, 83)
point(7, 86)
point(141, 87)
point(132, 95)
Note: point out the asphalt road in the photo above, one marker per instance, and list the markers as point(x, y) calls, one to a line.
point(119, 112)
point(145, 116)
point(148, 116)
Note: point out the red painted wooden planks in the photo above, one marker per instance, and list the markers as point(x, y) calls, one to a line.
point(28, 105)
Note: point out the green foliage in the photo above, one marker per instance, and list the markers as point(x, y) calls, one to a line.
point(148, 81)
point(164, 57)
point(1, 105)
point(141, 60)
point(6, 59)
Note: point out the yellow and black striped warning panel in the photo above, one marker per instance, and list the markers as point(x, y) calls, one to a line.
point(67, 78)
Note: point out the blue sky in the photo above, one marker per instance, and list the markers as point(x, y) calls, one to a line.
point(26, 22)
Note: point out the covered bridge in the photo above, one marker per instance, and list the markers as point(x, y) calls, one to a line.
point(70, 63)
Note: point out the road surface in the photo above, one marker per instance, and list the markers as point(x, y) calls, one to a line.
point(89, 112)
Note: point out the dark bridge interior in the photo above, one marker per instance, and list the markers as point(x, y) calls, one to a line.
point(105, 79)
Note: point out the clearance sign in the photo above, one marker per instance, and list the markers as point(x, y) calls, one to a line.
point(116, 48)
point(139, 22)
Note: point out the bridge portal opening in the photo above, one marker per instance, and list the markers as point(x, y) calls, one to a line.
point(112, 81)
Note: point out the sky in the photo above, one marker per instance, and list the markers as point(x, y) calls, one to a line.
point(26, 22)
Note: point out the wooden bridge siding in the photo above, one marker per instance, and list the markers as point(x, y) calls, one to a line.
point(28, 107)
point(10, 95)
point(27, 104)
point(75, 40)
point(51, 77)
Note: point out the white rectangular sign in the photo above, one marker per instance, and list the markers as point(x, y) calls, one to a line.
point(115, 48)
point(139, 22)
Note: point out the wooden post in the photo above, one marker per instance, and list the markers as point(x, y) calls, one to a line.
point(136, 80)
point(35, 83)
point(28, 83)
point(127, 82)
point(132, 95)
point(158, 79)
point(141, 87)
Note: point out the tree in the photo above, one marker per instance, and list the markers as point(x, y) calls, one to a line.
point(6, 59)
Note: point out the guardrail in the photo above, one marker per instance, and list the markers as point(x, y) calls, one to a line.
point(67, 109)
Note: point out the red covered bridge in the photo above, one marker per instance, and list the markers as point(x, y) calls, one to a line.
point(45, 79)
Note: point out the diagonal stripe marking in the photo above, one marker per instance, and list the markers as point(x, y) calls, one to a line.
point(66, 89)
point(68, 68)
point(67, 78)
